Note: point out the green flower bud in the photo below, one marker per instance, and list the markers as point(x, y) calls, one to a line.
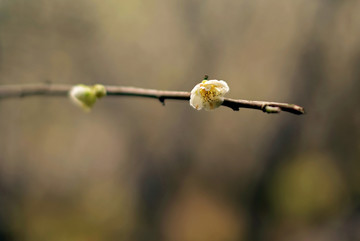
point(100, 90)
point(85, 96)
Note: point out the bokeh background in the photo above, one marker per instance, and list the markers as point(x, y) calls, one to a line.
point(133, 169)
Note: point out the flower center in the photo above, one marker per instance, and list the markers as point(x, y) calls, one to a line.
point(208, 92)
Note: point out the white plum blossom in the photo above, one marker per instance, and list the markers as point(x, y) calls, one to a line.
point(85, 96)
point(209, 94)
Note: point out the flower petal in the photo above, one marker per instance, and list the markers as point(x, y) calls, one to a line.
point(220, 85)
point(196, 101)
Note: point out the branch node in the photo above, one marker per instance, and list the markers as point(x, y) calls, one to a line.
point(270, 109)
point(22, 94)
point(235, 108)
point(162, 100)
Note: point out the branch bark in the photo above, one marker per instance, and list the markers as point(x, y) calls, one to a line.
point(19, 91)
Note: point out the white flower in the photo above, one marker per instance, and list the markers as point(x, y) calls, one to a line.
point(86, 96)
point(209, 94)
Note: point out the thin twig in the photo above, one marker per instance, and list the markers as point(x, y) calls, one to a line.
point(11, 91)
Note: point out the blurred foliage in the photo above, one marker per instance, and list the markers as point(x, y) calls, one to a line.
point(309, 189)
point(135, 170)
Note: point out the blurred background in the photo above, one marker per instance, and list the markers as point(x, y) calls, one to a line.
point(135, 170)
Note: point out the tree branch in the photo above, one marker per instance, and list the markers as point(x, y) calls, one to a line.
point(16, 91)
